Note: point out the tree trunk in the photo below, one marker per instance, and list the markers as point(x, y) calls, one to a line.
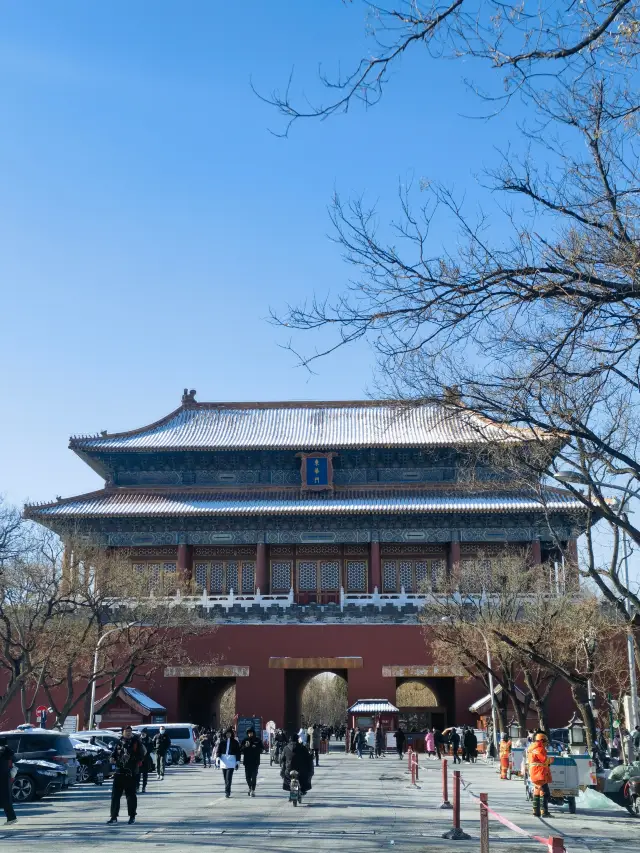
point(579, 693)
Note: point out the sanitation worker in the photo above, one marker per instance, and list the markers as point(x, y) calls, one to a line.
point(505, 756)
point(539, 769)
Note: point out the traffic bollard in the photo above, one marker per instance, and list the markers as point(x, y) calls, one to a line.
point(484, 824)
point(409, 754)
point(456, 833)
point(556, 845)
point(445, 787)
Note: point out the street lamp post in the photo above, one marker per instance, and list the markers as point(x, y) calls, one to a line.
point(494, 716)
point(95, 666)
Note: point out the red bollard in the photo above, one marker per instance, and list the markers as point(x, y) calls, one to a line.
point(456, 833)
point(445, 787)
point(484, 824)
point(556, 845)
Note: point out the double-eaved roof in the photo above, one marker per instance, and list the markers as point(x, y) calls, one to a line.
point(165, 503)
point(306, 426)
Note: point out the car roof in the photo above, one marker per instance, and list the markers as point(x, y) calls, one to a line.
point(34, 732)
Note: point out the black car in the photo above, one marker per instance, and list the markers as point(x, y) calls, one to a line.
point(35, 779)
point(44, 745)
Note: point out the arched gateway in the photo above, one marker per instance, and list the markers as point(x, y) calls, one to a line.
point(307, 532)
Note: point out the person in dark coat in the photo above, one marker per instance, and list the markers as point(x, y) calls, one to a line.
point(316, 738)
point(251, 750)
point(206, 746)
point(147, 761)
point(470, 743)
point(6, 763)
point(296, 757)
point(161, 744)
point(400, 741)
point(127, 756)
point(454, 740)
point(228, 749)
point(379, 741)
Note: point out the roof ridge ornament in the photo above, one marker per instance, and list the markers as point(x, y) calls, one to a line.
point(189, 399)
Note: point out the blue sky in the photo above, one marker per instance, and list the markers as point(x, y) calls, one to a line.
point(149, 219)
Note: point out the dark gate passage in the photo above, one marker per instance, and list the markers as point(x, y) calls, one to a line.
point(425, 703)
point(199, 699)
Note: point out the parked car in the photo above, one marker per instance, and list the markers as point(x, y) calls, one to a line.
point(45, 745)
point(94, 761)
point(100, 737)
point(184, 735)
point(35, 779)
point(177, 755)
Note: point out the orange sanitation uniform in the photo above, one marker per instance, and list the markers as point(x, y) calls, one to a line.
point(505, 756)
point(539, 770)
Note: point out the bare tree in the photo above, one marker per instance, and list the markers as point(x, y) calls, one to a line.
point(53, 612)
point(324, 700)
point(532, 313)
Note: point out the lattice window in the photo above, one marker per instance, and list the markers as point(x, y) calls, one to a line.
point(232, 576)
point(406, 575)
point(414, 575)
point(201, 571)
point(421, 575)
point(307, 575)
point(438, 574)
point(356, 575)
point(281, 550)
point(330, 575)
point(281, 576)
point(248, 578)
point(389, 579)
point(154, 574)
point(216, 583)
point(324, 550)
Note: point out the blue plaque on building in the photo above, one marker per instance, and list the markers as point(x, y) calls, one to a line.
point(317, 471)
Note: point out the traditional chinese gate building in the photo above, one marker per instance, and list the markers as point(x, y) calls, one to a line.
point(306, 532)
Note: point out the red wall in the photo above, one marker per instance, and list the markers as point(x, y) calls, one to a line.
point(263, 692)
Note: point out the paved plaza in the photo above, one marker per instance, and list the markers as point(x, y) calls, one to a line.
point(355, 805)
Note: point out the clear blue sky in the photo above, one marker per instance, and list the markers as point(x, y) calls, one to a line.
point(148, 219)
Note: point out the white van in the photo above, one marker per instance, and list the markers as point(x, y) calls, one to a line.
point(184, 735)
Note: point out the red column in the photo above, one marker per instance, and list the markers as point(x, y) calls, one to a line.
point(375, 572)
point(262, 576)
point(536, 552)
point(185, 562)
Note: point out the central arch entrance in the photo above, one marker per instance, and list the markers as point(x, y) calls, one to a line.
point(324, 699)
point(311, 694)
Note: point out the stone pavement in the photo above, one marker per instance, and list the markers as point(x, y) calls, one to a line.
point(355, 806)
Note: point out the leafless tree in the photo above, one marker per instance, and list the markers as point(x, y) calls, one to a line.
point(532, 312)
point(324, 700)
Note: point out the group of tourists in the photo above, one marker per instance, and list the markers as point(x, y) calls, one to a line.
point(436, 743)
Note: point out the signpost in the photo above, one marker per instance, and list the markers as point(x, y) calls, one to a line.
point(41, 713)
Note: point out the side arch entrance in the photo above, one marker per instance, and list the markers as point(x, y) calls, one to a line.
point(425, 703)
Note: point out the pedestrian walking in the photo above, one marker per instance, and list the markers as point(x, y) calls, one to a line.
point(360, 742)
point(161, 744)
point(147, 761)
point(470, 742)
point(6, 781)
point(316, 737)
point(454, 740)
point(352, 741)
point(127, 757)
point(379, 741)
point(400, 741)
point(251, 750)
point(371, 742)
point(310, 737)
point(430, 743)
point(228, 755)
point(206, 747)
